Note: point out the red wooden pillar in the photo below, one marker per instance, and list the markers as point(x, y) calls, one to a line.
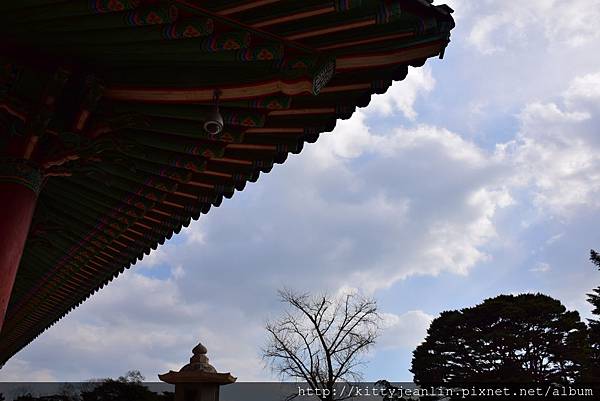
point(19, 187)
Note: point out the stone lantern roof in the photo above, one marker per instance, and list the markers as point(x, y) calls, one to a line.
point(198, 370)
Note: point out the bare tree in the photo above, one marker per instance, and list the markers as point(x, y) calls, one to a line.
point(322, 339)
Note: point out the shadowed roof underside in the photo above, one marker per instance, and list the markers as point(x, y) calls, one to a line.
point(136, 166)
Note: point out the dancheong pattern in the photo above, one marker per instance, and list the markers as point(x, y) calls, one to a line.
point(122, 152)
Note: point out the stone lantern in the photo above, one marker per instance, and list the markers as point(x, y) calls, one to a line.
point(198, 380)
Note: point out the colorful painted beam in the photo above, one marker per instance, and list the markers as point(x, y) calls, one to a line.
point(103, 103)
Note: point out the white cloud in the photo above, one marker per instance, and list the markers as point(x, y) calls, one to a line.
point(481, 34)
point(556, 153)
point(404, 331)
point(500, 25)
point(458, 246)
point(403, 94)
point(350, 139)
point(385, 197)
point(586, 88)
point(140, 323)
point(178, 272)
point(155, 258)
point(424, 138)
point(541, 267)
point(18, 370)
point(554, 238)
point(535, 113)
point(194, 234)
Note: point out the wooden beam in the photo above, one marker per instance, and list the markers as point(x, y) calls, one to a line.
point(205, 94)
point(332, 29)
point(373, 60)
point(376, 39)
point(297, 112)
point(274, 131)
point(246, 6)
point(294, 17)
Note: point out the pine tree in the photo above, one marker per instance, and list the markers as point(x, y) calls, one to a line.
point(594, 297)
point(528, 338)
point(594, 325)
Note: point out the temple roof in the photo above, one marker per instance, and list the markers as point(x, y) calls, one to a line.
point(126, 160)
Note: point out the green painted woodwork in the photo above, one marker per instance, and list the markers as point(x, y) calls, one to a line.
point(123, 176)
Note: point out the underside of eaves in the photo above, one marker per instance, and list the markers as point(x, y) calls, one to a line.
point(125, 157)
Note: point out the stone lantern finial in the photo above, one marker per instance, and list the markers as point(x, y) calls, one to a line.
point(199, 361)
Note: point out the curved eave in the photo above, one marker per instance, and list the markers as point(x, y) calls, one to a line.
point(139, 195)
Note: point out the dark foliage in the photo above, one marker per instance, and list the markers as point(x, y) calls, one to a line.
point(593, 373)
point(25, 397)
point(166, 396)
point(128, 387)
point(594, 297)
point(507, 339)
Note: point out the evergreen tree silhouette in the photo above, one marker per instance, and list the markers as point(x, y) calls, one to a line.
point(527, 338)
point(594, 327)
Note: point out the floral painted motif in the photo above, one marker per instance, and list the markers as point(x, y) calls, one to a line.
point(152, 16)
point(109, 6)
point(228, 41)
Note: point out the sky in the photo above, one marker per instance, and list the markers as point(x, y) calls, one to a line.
point(477, 175)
